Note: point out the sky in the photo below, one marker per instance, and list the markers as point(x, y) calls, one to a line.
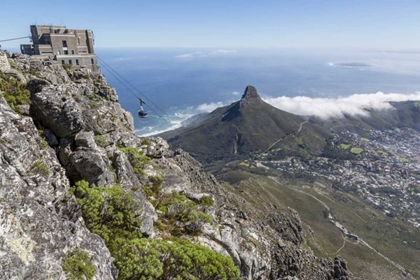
point(328, 24)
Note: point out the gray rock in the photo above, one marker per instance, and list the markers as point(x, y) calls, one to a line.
point(4, 62)
point(24, 109)
point(36, 85)
point(66, 146)
point(36, 230)
point(108, 93)
point(15, 74)
point(85, 139)
point(55, 110)
point(89, 165)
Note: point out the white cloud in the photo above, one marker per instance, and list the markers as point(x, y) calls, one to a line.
point(209, 107)
point(235, 93)
point(336, 107)
point(223, 51)
point(200, 54)
point(186, 55)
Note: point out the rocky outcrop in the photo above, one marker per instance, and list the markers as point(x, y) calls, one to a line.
point(39, 222)
point(250, 96)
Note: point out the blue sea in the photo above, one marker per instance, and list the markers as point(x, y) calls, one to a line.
point(179, 83)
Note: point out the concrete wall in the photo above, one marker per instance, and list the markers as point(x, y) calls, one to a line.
point(88, 61)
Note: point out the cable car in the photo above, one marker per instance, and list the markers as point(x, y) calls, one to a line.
point(142, 113)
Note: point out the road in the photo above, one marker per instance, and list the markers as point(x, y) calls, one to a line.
point(283, 137)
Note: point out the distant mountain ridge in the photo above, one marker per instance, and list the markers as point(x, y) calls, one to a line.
point(245, 127)
point(251, 126)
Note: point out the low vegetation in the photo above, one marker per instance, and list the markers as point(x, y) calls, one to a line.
point(67, 66)
point(356, 150)
point(114, 215)
point(344, 146)
point(78, 265)
point(137, 160)
point(41, 168)
point(100, 140)
point(174, 259)
point(14, 92)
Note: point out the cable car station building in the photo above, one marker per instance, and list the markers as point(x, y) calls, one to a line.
point(66, 46)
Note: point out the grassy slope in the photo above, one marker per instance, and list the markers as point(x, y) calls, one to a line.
point(383, 233)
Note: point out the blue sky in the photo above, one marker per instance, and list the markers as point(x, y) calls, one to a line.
point(365, 24)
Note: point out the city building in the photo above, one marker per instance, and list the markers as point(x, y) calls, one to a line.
point(66, 46)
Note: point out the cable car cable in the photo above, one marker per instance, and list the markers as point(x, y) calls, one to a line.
point(121, 77)
point(12, 39)
point(130, 90)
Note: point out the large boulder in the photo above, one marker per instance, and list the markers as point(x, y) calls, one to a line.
point(58, 111)
point(88, 163)
point(15, 74)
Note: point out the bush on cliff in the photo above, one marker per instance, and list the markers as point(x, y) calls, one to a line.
point(78, 265)
point(109, 212)
point(136, 158)
point(14, 92)
point(113, 214)
point(174, 259)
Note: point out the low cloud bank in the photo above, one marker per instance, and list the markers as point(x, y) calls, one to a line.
point(336, 107)
point(201, 54)
point(204, 108)
point(223, 51)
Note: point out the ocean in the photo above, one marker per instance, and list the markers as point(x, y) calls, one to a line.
point(179, 83)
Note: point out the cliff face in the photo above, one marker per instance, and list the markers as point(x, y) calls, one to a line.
point(75, 129)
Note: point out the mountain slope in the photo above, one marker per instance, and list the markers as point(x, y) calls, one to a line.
point(248, 126)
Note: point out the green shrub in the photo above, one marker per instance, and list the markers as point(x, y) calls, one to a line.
point(172, 259)
point(156, 180)
point(41, 168)
point(145, 141)
point(179, 207)
point(78, 265)
point(137, 160)
point(147, 190)
point(14, 92)
point(67, 66)
point(109, 212)
point(206, 200)
point(356, 150)
point(100, 140)
point(112, 214)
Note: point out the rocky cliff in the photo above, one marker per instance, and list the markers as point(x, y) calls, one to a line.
point(62, 126)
